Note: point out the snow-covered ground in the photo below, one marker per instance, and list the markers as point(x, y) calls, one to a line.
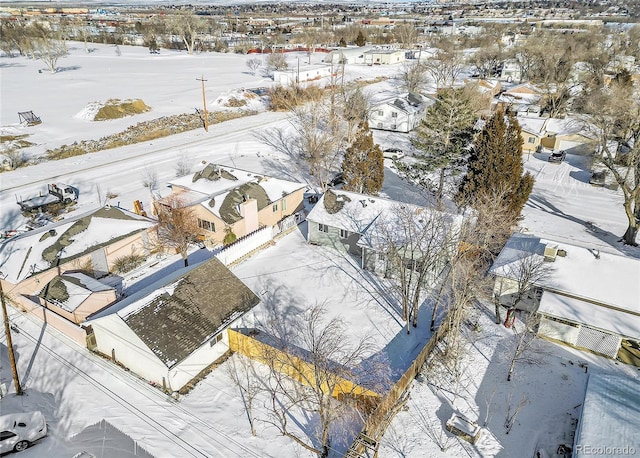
point(77, 389)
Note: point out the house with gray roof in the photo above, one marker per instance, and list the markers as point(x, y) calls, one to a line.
point(368, 227)
point(171, 331)
point(226, 199)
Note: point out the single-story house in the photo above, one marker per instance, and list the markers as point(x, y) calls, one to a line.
point(384, 56)
point(585, 297)
point(171, 331)
point(366, 226)
point(398, 112)
point(569, 135)
point(74, 296)
point(520, 97)
point(303, 74)
point(91, 244)
point(229, 199)
point(349, 55)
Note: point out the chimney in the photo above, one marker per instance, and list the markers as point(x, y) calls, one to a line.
point(550, 252)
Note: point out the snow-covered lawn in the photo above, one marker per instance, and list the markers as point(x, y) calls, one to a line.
point(77, 389)
point(552, 391)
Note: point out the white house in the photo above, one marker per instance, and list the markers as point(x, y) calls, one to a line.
point(303, 74)
point(384, 56)
point(349, 55)
point(398, 112)
point(171, 331)
point(586, 298)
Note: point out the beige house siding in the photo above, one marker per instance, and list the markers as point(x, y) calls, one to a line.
point(95, 302)
point(530, 142)
point(268, 216)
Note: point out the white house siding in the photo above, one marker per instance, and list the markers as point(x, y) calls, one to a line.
point(559, 331)
point(191, 366)
point(112, 333)
point(382, 117)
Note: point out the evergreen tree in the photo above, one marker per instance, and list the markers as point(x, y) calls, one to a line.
point(442, 138)
point(363, 164)
point(360, 40)
point(495, 166)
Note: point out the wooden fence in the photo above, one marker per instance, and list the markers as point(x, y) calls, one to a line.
point(294, 367)
point(376, 422)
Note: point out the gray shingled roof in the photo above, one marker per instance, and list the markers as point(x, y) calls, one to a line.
point(205, 299)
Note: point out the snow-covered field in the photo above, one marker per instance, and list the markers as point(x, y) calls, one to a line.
point(77, 389)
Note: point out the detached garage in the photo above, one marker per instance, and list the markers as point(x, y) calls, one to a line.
point(170, 332)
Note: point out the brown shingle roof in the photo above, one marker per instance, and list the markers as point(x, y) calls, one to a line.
point(174, 325)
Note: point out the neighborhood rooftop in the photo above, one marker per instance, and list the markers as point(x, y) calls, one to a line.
point(584, 273)
point(185, 311)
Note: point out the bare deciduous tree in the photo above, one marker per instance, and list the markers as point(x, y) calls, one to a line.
point(243, 373)
point(512, 411)
point(312, 349)
point(177, 226)
point(417, 245)
point(188, 27)
point(254, 64)
point(413, 76)
point(445, 66)
point(49, 50)
point(149, 178)
point(277, 61)
point(612, 115)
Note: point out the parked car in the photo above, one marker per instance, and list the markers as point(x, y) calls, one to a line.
point(392, 153)
point(19, 430)
point(598, 178)
point(336, 180)
point(557, 156)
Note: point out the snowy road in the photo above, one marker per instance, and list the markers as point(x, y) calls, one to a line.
point(120, 171)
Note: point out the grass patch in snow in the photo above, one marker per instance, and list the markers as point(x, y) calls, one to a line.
point(116, 109)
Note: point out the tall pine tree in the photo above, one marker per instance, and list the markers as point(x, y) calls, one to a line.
point(442, 138)
point(495, 166)
point(363, 164)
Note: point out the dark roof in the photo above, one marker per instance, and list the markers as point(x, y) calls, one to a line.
point(205, 299)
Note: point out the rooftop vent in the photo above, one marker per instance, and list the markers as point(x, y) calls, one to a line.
point(363, 202)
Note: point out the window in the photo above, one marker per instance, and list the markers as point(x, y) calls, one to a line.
point(380, 113)
point(531, 139)
point(284, 204)
point(275, 207)
point(206, 225)
point(215, 340)
point(344, 234)
point(323, 227)
point(380, 256)
point(394, 115)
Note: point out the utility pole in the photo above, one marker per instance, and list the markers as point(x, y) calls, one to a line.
point(7, 332)
point(204, 102)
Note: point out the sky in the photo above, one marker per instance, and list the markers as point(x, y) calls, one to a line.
point(78, 390)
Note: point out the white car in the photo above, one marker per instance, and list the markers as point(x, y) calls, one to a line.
point(19, 430)
point(392, 153)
